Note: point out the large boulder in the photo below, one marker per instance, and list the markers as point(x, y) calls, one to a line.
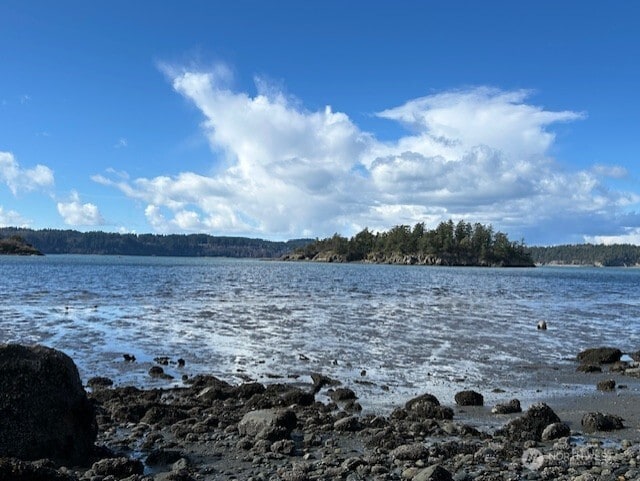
point(269, 424)
point(469, 398)
point(510, 407)
point(598, 421)
point(425, 406)
point(44, 409)
point(600, 355)
point(530, 426)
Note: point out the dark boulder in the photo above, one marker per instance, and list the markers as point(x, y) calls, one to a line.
point(606, 385)
point(158, 372)
point(469, 398)
point(163, 457)
point(601, 422)
point(600, 355)
point(510, 407)
point(118, 467)
point(530, 425)
point(99, 382)
point(44, 409)
point(246, 390)
point(425, 406)
point(556, 431)
point(296, 396)
point(342, 394)
point(588, 368)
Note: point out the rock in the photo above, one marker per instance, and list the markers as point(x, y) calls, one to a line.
point(469, 398)
point(426, 406)
point(619, 366)
point(433, 473)
point(297, 396)
point(350, 424)
point(342, 394)
point(598, 421)
point(531, 425)
point(162, 457)
point(158, 372)
point(555, 431)
point(320, 381)
point(246, 390)
point(163, 415)
point(12, 469)
point(270, 424)
point(635, 356)
point(606, 385)
point(632, 371)
point(284, 446)
point(99, 382)
point(600, 355)
point(118, 467)
point(588, 368)
point(45, 410)
point(410, 452)
point(414, 404)
point(510, 407)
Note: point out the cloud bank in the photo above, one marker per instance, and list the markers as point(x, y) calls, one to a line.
point(282, 171)
point(21, 180)
point(75, 213)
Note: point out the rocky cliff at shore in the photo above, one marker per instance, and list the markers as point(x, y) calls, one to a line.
point(397, 259)
point(212, 430)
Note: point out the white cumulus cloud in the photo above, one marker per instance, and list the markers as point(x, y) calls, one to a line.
point(481, 154)
point(10, 218)
point(75, 213)
point(19, 179)
point(631, 236)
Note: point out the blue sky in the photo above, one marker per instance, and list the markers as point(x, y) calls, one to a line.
point(287, 119)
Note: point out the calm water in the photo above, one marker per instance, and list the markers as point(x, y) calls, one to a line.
point(413, 329)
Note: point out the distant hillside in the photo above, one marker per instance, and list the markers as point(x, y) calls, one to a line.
point(51, 241)
point(16, 245)
point(588, 255)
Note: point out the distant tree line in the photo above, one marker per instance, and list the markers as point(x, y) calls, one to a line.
point(53, 241)
point(461, 244)
point(588, 254)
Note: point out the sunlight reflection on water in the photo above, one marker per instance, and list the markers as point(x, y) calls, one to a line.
point(412, 329)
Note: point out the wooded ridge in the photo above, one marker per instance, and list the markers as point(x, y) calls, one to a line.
point(52, 241)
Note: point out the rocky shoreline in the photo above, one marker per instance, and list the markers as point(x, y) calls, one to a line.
point(212, 430)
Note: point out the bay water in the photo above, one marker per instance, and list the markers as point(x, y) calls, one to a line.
point(389, 332)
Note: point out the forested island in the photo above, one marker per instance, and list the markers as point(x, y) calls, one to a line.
point(449, 244)
point(53, 241)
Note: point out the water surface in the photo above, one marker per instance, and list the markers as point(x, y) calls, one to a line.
point(412, 329)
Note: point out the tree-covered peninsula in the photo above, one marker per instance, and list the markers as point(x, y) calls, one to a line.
point(16, 245)
point(461, 244)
